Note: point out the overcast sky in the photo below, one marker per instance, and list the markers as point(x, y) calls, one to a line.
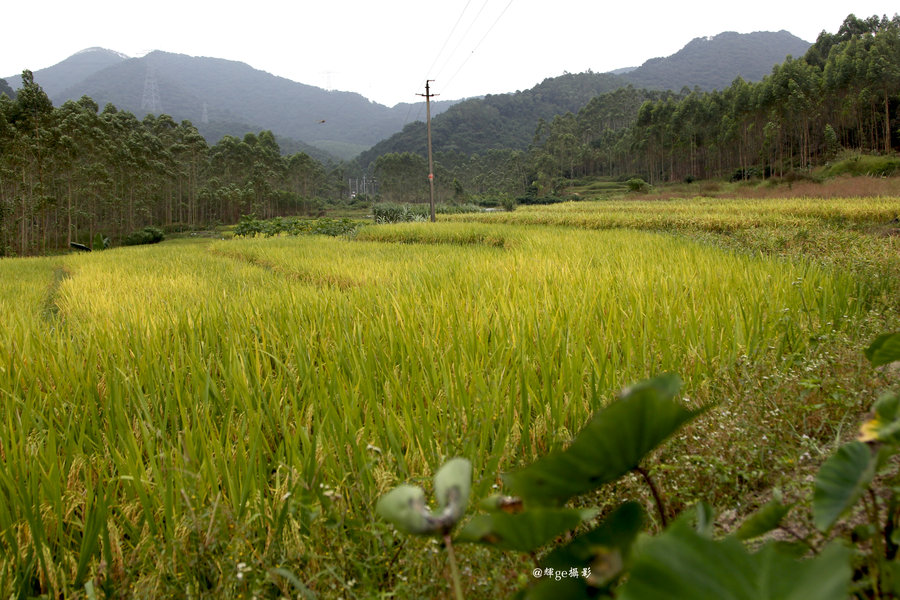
point(386, 50)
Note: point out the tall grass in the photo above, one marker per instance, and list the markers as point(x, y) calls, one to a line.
point(704, 214)
point(195, 419)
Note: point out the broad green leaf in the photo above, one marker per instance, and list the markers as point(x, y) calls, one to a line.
point(613, 443)
point(495, 502)
point(705, 522)
point(767, 518)
point(522, 532)
point(555, 587)
point(841, 480)
point(680, 563)
point(885, 349)
point(404, 506)
point(606, 549)
point(885, 426)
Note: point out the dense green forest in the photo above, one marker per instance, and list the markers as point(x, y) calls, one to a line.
point(74, 173)
point(498, 120)
point(226, 97)
point(842, 94)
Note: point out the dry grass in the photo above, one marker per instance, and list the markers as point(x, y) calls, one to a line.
point(839, 187)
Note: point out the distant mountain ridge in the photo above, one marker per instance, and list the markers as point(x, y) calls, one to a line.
point(499, 120)
point(72, 70)
point(224, 97)
point(509, 120)
point(714, 62)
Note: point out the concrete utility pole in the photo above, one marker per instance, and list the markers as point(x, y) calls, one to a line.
point(428, 96)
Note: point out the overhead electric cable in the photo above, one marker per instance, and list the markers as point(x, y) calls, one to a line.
point(462, 38)
point(449, 35)
point(443, 46)
point(491, 28)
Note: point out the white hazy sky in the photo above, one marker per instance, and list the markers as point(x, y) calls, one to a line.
point(386, 49)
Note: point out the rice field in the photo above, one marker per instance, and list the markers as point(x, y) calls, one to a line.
point(217, 418)
point(703, 214)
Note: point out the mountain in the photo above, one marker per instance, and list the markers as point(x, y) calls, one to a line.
point(714, 62)
point(223, 97)
point(498, 121)
point(510, 120)
point(69, 72)
point(6, 89)
point(226, 97)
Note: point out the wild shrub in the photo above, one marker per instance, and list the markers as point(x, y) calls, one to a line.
point(250, 226)
point(860, 164)
point(399, 213)
point(637, 185)
point(147, 235)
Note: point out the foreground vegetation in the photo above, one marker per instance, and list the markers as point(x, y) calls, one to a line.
point(209, 418)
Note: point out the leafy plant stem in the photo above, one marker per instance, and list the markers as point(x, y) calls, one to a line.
point(799, 538)
point(878, 543)
point(454, 570)
point(390, 567)
point(657, 497)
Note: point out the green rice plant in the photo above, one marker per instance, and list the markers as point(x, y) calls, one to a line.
point(187, 408)
point(704, 214)
point(424, 233)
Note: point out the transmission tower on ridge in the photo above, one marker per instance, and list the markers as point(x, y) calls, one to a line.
point(150, 100)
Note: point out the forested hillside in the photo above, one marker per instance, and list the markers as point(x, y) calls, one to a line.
point(843, 93)
point(223, 97)
point(6, 89)
point(713, 62)
point(75, 172)
point(57, 78)
point(498, 121)
point(508, 121)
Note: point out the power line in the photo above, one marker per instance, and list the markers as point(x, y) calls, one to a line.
point(450, 35)
point(491, 28)
point(452, 53)
point(463, 37)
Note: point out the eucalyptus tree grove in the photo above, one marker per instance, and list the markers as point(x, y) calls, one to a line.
point(74, 172)
point(843, 93)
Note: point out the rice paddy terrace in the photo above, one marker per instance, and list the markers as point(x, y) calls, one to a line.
point(219, 416)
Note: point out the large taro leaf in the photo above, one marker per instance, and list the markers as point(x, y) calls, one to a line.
point(522, 532)
point(592, 562)
point(885, 426)
point(605, 550)
point(681, 563)
point(556, 587)
point(613, 443)
point(764, 520)
point(885, 349)
point(841, 480)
